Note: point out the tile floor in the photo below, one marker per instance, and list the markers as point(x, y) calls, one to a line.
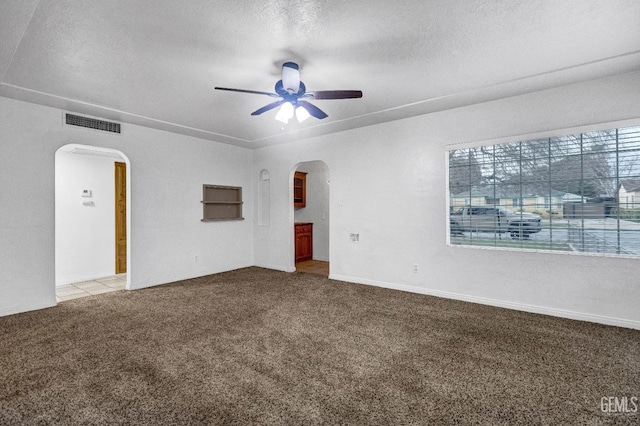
point(316, 267)
point(89, 288)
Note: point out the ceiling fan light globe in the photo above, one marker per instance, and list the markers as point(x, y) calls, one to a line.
point(302, 114)
point(280, 117)
point(285, 113)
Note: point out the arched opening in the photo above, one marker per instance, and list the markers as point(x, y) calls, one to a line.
point(311, 220)
point(92, 221)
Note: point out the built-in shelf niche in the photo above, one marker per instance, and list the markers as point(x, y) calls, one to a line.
point(221, 203)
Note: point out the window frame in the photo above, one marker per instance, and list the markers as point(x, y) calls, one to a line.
point(551, 203)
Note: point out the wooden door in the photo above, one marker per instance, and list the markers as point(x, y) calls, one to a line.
point(121, 217)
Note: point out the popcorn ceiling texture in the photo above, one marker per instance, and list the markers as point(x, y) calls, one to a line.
point(156, 66)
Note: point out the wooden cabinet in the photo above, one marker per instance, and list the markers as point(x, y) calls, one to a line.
point(304, 241)
point(299, 189)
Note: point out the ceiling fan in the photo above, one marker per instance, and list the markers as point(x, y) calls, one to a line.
point(294, 96)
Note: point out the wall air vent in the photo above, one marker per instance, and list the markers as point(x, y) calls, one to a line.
point(92, 123)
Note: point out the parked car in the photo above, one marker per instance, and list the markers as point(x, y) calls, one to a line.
point(495, 219)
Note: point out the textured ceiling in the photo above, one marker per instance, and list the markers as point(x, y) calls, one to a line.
point(155, 63)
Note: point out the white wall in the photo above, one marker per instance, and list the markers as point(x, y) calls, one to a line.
point(317, 207)
point(166, 173)
point(84, 234)
point(388, 183)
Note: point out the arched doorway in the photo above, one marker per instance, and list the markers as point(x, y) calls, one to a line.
point(311, 218)
point(91, 221)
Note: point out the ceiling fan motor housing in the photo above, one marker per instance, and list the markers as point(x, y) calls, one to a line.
point(291, 77)
point(290, 96)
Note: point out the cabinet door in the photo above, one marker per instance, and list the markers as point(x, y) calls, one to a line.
point(303, 242)
point(299, 189)
point(303, 247)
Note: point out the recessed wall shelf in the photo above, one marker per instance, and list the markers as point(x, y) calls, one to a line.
point(221, 203)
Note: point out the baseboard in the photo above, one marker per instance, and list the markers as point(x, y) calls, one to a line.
point(176, 278)
point(12, 310)
point(274, 267)
point(580, 316)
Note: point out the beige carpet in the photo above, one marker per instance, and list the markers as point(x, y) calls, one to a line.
point(256, 346)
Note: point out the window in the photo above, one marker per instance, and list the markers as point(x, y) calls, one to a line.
point(574, 193)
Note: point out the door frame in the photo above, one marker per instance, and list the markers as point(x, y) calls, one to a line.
point(292, 211)
point(110, 152)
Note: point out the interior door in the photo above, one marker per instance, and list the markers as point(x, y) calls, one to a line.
point(121, 217)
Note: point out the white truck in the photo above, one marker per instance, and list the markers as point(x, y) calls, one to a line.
point(496, 219)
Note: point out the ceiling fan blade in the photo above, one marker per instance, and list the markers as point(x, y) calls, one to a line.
point(335, 94)
point(266, 108)
point(312, 109)
point(255, 92)
point(291, 77)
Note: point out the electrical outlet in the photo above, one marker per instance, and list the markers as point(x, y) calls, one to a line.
point(195, 258)
point(354, 237)
point(415, 268)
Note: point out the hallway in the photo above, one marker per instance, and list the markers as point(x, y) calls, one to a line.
point(90, 288)
point(316, 267)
